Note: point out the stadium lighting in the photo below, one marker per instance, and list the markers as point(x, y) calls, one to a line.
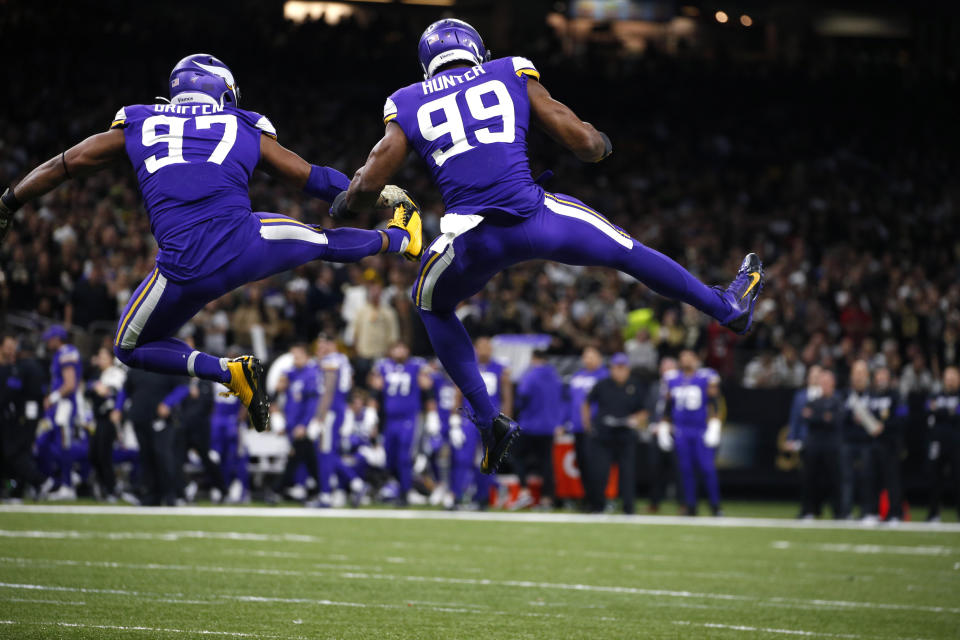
point(721, 17)
point(746, 20)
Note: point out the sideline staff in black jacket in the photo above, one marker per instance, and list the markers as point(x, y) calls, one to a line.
point(821, 449)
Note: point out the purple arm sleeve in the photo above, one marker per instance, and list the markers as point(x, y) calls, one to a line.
point(325, 183)
point(176, 396)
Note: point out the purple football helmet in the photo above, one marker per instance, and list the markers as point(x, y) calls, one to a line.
point(204, 74)
point(450, 40)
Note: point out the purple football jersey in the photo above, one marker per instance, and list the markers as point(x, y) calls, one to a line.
point(470, 126)
point(302, 396)
point(401, 392)
point(66, 356)
point(445, 395)
point(577, 391)
point(193, 163)
point(688, 396)
point(226, 409)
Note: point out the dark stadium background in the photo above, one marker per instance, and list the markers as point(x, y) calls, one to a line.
point(833, 156)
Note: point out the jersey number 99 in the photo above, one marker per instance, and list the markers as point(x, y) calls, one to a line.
point(452, 123)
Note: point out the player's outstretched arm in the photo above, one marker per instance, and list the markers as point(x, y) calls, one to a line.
point(384, 161)
point(563, 125)
point(91, 155)
point(285, 165)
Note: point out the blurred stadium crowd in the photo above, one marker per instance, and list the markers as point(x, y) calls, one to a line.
point(835, 169)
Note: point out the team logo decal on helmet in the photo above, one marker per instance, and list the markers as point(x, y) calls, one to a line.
point(202, 73)
point(447, 41)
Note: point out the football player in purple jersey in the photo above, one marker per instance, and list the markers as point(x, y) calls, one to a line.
point(468, 120)
point(400, 380)
point(692, 396)
point(194, 157)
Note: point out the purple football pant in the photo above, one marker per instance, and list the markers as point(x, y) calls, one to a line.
point(694, 459)
point(329, 461)
point(398, 438)
point(161, 306)
point(564, 230)
point(464, 469)
point(225, 440)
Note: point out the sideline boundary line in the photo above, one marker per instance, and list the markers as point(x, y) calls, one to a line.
point(482, 516)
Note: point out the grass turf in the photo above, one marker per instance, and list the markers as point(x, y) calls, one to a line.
point(170, 576)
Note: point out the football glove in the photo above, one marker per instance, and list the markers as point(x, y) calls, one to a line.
point(8, 206)
point(339, 210)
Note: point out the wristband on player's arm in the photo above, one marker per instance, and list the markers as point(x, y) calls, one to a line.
point(325, 183)
point(607, 146)
point(10, 200)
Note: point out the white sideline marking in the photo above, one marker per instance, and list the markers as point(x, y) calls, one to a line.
point(868, 548)
point(113, 627)
point(168, 536)
point(478, 516)
point(798, 603)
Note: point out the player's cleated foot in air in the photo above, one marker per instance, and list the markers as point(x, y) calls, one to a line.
point(249, 383)
point(496, 441)
point(743, 293)
point(406, 216)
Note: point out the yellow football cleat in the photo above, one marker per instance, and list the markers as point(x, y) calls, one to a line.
point(406, 216)
point(248, 382)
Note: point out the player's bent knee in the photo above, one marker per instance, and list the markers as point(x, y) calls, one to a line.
point(123, 355)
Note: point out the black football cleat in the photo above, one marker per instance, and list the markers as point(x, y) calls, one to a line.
point(248, 381)
point(496, 442)
point(743, 293)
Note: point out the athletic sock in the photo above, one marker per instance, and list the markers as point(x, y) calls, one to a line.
point(175, 357)
point(455, 350)
point(352, 245)
point(398, 238)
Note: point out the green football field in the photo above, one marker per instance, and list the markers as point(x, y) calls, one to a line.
point(90, 572)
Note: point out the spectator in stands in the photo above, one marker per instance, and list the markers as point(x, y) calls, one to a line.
point(377, 328)
point(540, 411)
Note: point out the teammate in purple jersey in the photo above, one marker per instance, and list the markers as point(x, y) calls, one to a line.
point(225, 439)
point(300, 386)
point(194, 158)
point(691, 404)
point(578, 388)
point(336, 376)
point(468, 120)
point(499, 386)
point(400, 379)
point(66, 443)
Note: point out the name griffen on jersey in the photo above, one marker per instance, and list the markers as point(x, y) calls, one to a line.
point(688, 397)
point(401, 392)
point(193, 163)
point(470, 126)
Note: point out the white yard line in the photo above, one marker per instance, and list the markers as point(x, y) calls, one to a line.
point(869, 548)
point(790, 632)
point(113, 627)
point(488, 516)
point(798, 603)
